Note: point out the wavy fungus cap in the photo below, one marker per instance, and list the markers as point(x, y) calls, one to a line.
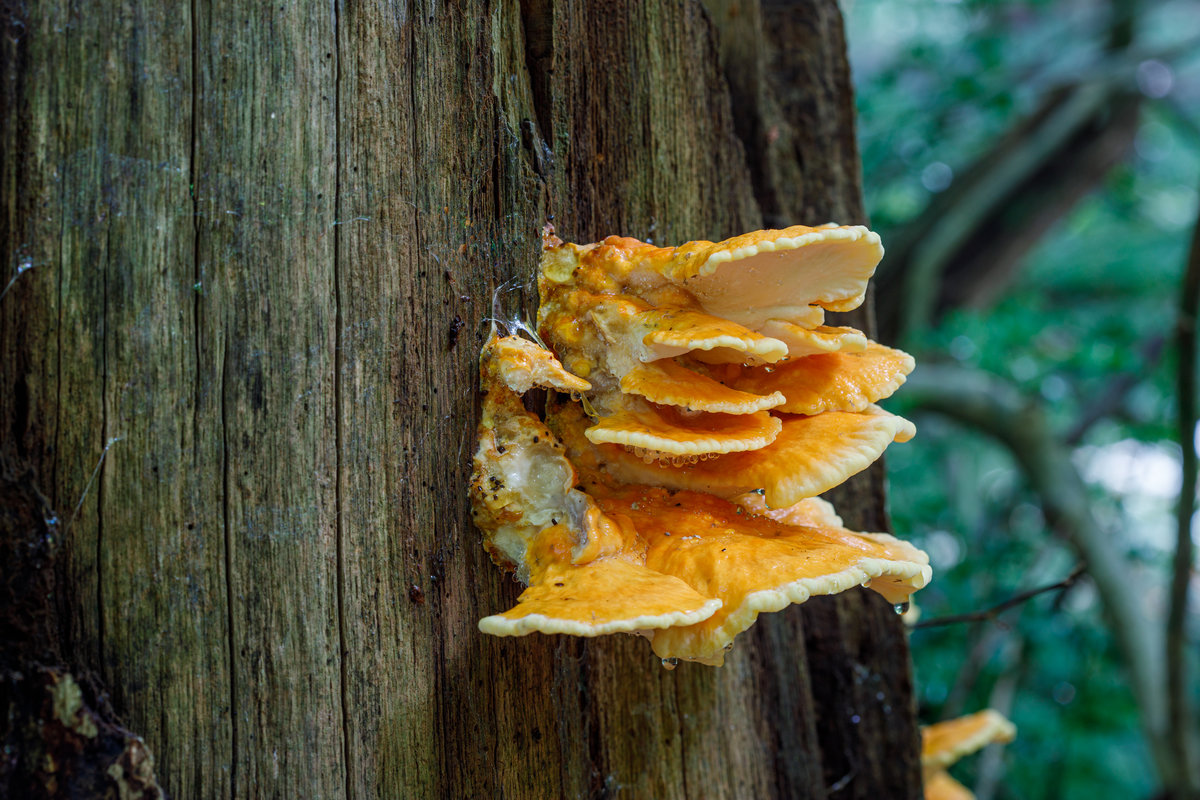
point(841, 381)
point(610, 595)
point(753, 563)
point(674, 494)
point(944, 743)
point(672, 384)
point(810, 455)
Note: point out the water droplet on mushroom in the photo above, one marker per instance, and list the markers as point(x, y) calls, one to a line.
point(768, 369)
point(901, 608)
point(670, 663)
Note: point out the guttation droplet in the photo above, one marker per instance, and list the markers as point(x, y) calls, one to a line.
point(670, 663)
point(901, 608)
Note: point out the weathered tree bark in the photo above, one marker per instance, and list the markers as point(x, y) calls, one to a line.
point(254, 248)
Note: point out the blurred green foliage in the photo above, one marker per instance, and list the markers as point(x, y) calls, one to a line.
point(938, 83)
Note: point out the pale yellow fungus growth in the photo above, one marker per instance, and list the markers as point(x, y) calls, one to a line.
point(665, 430)
point(609, 595)
point(943, 743)
point(676, 498)
point(811, 511)
point(802, 341)
point(941, 786)
point(670, 383)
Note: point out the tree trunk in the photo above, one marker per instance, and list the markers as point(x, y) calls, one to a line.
point(254, 248)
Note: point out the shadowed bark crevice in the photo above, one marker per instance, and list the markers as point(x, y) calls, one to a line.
point(61, 739)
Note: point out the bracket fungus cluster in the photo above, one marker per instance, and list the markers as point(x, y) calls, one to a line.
point(671, 488)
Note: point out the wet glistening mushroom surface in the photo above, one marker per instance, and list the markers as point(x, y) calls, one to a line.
point(699, 405)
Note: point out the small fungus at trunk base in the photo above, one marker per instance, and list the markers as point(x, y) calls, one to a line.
point(674, 494)
point(944, 743)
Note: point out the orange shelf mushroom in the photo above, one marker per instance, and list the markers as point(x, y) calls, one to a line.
point(753, 563)
point(944, 743)
point(580, 566)
point(699, 374)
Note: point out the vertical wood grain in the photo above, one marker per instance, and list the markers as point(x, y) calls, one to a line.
point(97, 170)
point(390, 595)
point(159, 546)
point(265, 184)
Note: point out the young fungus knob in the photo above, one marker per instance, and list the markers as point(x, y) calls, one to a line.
point(944, 743)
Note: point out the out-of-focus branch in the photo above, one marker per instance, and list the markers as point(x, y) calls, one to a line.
point(996, 408)
point(995, 611)
point(1178, 697)
point(966, 244)
point(1110, 400)
point(984, 640)
point(990, 770)
point(969, 241)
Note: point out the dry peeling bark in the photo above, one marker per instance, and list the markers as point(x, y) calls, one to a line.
point(261, 241)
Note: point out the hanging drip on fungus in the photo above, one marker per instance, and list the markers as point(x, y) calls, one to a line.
point(676, 496)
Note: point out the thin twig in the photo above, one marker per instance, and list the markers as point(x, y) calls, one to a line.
point(107, 446)
point(986, 639)
point(995, 408)
point(1000, 608)
point(21, 270)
